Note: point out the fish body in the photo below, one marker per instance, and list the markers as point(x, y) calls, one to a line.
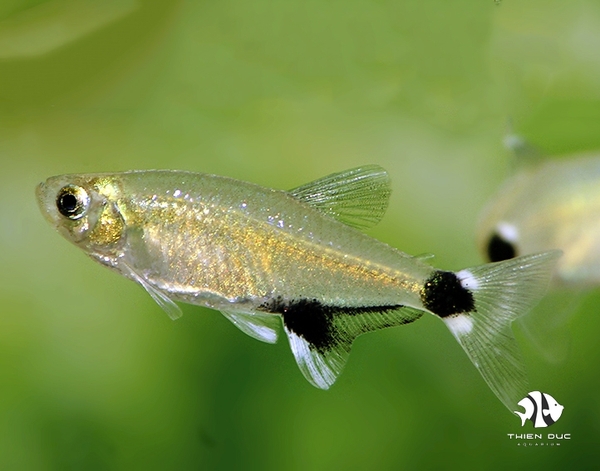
point(231, 243)
point(259, 255)
point(541, 408)
point(548, 204)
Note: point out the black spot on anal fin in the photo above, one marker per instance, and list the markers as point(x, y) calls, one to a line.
point(314, 321)
point(444, 295)
point(307, 318)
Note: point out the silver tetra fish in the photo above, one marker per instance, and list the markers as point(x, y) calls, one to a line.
point(258, 255)
point(548, 204)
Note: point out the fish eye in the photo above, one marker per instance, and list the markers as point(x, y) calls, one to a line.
point(499, 249)
point(72, 201)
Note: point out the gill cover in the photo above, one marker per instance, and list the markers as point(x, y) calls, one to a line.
point(84, 211)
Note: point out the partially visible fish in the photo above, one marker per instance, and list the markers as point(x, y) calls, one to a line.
point(258, 255)
point(548, 204)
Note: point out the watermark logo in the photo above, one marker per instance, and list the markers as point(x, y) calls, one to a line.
point(541, 408)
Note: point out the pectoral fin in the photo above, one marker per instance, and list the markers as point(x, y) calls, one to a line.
point(166, 303)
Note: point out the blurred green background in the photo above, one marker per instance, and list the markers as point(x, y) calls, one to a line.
point(94, 376)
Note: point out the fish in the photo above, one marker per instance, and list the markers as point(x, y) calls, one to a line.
point(541, 408)
point(300, 258)
point(548, 203)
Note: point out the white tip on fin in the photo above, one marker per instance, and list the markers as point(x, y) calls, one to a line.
point(320, 369)
point(502, 292)
point(461, 324)
point(262, 327)
point(332, 331)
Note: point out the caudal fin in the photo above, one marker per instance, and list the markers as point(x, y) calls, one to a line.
point(523, 417)
point(501, 293)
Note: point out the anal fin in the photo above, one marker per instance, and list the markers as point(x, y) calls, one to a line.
point(321, 336)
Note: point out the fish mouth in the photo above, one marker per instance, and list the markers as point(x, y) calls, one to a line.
point(41, 193)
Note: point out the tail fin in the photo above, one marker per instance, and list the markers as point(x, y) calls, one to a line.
point(501, 292)
point(523, 417)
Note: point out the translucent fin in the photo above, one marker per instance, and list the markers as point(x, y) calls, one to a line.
point(523, 151)
point(166, 303)
point(262, 327)
point(502, 292)
point(424, 256)
point(321, 369)
point(322, 339)
point(357, 197)
point(547, 327)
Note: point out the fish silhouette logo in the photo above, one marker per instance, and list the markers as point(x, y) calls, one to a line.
point(541, 408)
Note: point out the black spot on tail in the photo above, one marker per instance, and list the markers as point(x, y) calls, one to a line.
point(499, 249)
point(314, 321)
point(444, 295)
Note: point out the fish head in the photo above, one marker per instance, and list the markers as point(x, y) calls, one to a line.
point(554, 410)
point(85, 211)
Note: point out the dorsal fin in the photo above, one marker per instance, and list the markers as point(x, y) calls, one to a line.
point(524, 152)
point(424, 256)
point(357, 197)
